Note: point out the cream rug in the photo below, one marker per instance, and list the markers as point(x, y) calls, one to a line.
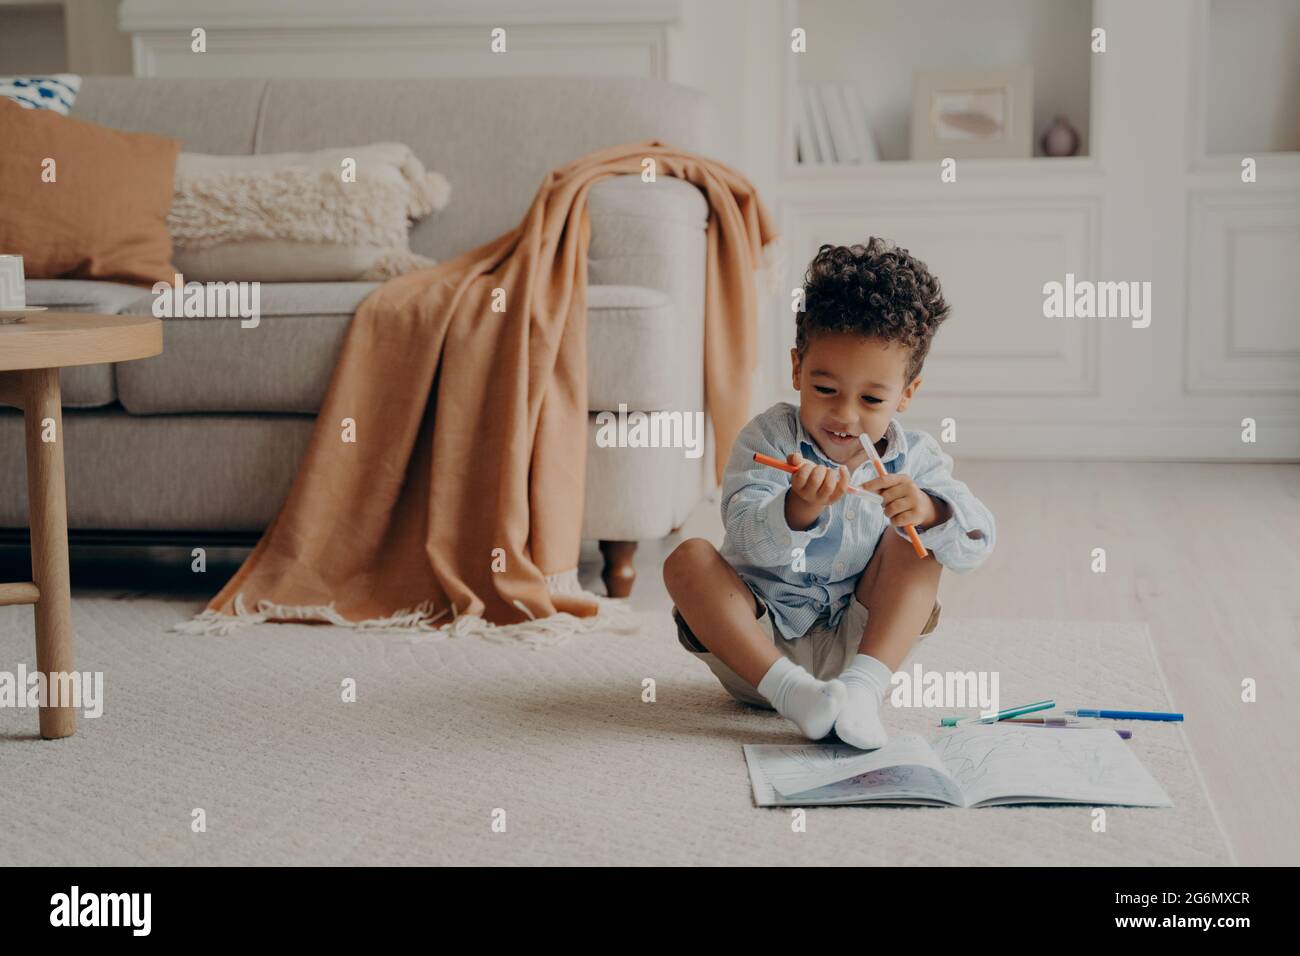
point(252, 728)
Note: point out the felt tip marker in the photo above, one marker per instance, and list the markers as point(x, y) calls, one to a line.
point(876, 463)
point(1126, 714)
point(791, 469)
point(1000, 715)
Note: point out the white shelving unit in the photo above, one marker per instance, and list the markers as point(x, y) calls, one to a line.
point(876, 48)
point(1244, 239)
point(1250, 78)
point(1245, 87)
point(1151, 201)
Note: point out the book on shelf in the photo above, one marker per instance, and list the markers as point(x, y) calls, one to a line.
point(832, 127)
point(858, 117)
point(808, 154)
point(820, 130)
point(837, 118)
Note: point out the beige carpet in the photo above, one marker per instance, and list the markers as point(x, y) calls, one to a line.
point(251, 728)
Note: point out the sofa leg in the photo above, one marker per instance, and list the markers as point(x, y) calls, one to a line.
point(618, 574)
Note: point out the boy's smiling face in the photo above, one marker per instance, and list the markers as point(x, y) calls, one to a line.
point(849, 384)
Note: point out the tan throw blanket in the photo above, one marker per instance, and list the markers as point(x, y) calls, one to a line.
point(470, 427)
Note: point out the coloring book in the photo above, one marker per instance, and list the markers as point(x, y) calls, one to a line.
point(980, 765)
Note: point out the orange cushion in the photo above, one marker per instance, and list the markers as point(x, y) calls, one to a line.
point(105, 214)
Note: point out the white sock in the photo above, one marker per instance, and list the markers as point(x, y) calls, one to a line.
point(858, 723)
point(811, 703)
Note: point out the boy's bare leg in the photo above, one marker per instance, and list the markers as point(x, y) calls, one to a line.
point(898, 589)
point(719, 608)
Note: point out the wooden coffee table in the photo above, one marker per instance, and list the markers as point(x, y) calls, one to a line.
point(32, 350)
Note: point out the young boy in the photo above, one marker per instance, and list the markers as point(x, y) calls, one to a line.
point(814, 602)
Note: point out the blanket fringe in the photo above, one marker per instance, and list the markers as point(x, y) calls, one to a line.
point(419, 623)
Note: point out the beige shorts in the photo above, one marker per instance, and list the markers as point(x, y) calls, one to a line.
point(824, 651)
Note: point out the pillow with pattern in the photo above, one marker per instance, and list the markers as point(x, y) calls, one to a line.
point(42, 92)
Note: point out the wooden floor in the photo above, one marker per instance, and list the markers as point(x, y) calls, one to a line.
point(1207, 554)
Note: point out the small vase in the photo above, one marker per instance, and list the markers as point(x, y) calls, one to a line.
point(1061, 139)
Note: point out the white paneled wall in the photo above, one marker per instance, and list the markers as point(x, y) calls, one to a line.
point(1147, 204)
point(1185, 91)
point(1243, 289)
point(1008, 350)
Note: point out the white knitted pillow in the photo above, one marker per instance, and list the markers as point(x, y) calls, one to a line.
point(336, 214)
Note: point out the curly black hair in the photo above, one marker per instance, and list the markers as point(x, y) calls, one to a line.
point(876, 290)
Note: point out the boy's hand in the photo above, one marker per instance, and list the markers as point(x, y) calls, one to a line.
point(812, 488)
point(817, 485)
point(904, 503)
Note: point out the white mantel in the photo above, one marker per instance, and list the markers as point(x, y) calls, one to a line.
point(404, 37)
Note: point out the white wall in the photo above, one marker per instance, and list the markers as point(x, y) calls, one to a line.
point(95, 45)
point(62, 36)
point(31, 39)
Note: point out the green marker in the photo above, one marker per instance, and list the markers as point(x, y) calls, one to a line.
point(1000, 715)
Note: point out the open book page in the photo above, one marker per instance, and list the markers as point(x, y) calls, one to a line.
point(905, 770)
point(799, 769)
point(1001, 764)
point(909, 784)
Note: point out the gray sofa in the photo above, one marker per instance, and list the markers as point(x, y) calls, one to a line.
point(206, 437)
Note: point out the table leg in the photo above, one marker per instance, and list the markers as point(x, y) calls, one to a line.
point(48, 511)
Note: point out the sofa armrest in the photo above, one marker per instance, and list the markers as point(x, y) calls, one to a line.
point(652, 235)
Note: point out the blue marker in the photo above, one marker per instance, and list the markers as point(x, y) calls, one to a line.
point(1125, 714)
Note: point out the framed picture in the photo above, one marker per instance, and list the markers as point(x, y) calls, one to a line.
point(973, 114)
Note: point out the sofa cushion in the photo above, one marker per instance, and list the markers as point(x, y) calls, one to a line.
point(284, 363)
point(494, 138)
point(103, 212)
point(208, 114)
point(506, 133)
point(163, 472)
point(84, 386)
point(232, 472)
point(82, 295)
point(288, 298)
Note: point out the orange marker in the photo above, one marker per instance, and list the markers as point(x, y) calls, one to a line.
point(787, 467)
point(876, 463)
point(774, 463)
